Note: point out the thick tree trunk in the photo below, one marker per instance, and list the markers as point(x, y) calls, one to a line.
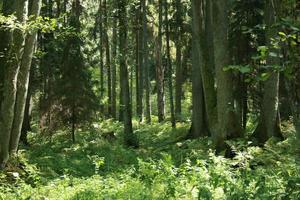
point(129, 137)
point(160, 70)
point(227, 126)
point(269, 125)
point(199, 125)
point(10, 82)
point(169, 68)
point(23, 81)
point(146, 64)
point(208, 67)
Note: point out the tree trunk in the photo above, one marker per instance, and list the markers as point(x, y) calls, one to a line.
point(160, 70)
point(269, 124)
point(101, 44)
point(227, 126)
point(129, 137)
point(114, 70)
point(107, 56)
point(199, 125)
point(169, 67)
point(26, 127)
point(140, 65)
point(23, 81)
point(179, 76)
point(10, 82)
point(207, 55)
point(146, 64)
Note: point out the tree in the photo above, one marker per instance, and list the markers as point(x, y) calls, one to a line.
point(179, 74)
point(107, 57)
point(199, 124)
point(225, 100)
point(15, 41)
point(129, 137)
point(23, 80)
point(269, 120)
point(75, 101)
point(159, 68)
point(169, 67)
point(114, 67)
point(146, 63)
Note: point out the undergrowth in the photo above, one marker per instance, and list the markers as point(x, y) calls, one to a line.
point(165, 166)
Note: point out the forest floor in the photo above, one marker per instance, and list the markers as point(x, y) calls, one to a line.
point(165, 166)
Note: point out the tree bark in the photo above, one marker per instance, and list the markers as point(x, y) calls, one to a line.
point(107, 57)
point(101, 44)
point(225, 106)
point(160, 70)
point(114, 69)
point(23, 81)
point(10, 82)
point(129, 137)
point(179, 76)
point(169, 67)
point(146, 64)
point(269, 124)
point(199, 126)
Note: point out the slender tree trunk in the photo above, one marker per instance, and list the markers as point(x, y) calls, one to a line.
point(269, 120)
point(169, 67)
point(226, 113)
point(23, 81)
point(140, 65)
point(101, 56)
point(26, 127)
point(107, 56)
point(160, 70)
point(146, 64)
point(114, 70)
point(178, 43)
point(137, 59)
point(129, 137)
point(10, 82)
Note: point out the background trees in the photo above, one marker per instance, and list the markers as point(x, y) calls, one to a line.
point(230, 63)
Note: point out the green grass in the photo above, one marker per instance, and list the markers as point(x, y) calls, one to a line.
point(164, 167)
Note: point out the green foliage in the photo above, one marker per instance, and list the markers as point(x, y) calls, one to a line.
point(164, 167)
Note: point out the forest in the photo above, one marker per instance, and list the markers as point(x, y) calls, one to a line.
point(149, 99)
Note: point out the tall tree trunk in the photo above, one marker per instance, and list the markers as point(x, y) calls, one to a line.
point(137, 59)
point(107, 56)
point(207, 55)
point(23, 81)
point(140, 70)
point(160, 70)
point(5, 42)
point(114, 70)
point(129, 137)
point(179, 76)
point(101, 44)
point(225, 107)
point(146, 64)
point(10, 82)
point(169, 67)
point(199, 126)
point(269, 120)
